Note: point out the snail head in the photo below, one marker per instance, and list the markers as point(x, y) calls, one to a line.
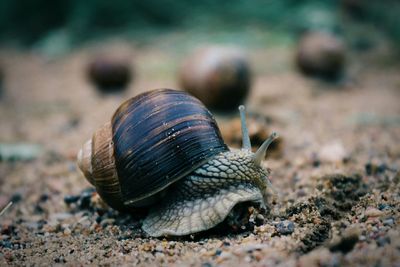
point(259, 155)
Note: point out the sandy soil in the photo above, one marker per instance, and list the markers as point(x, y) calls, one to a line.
point(336, 169)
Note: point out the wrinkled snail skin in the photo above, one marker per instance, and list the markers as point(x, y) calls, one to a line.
point(163, 150)
point(205, 197)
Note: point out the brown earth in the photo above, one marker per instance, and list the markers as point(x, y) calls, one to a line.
point(335, 169)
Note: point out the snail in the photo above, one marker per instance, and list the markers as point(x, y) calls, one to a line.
point(213, 73)
point(163, 151)
point(322, 55)
point(109, 73)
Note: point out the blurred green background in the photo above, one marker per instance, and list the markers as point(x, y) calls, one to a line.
point(71, 23)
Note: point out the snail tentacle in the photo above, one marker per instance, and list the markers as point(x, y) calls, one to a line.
point(260, 154)
point(246, 144)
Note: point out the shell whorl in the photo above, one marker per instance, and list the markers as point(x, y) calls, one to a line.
point(96, 160)
point(85, 160)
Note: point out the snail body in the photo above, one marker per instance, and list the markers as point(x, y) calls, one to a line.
point(163, 151)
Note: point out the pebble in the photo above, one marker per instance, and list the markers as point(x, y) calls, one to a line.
point(4, 237)
point(388, 222)
point(247, 259)
point(332, 152)
point(224, 256)
point(244, 249)
point(43, 198)
point(372, 169)
point(159, 256)
point(383, 206)
point(61, 216)
point(71, 199)
point(373, 212)
point(60, 260)
point(6, 244)
point(260, 217)
point(84, 201)
point(67, 231)
point(382, 241)
point(15, 198)
point(285, 227)
point(106, 222)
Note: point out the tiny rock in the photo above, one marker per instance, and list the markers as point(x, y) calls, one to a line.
point(373, 212)
point(285, 227)
point(332, 152)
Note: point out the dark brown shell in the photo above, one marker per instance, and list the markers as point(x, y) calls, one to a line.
point(321, 54)
point(219, 76)
point(159, 137)
point(110, 73)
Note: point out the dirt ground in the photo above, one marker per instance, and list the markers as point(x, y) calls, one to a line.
point(336, 169)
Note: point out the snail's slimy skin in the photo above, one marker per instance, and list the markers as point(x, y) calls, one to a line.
point(205, 198)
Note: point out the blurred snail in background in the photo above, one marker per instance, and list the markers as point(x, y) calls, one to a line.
point(1, 80)
point(322, 55)
point(110, 73)
point(219, 76)
point(163, 151)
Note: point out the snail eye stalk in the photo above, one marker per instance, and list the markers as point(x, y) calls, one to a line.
point(260, 154)
point(246, 144)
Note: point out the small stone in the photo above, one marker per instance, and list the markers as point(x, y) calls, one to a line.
point(373, 212)
point(84, 201)
point(6, 244)
point(260, 219)
point(159, 256)
point(60, 216)
point(15, 198)
point(260, 229)
point(383, 206)
point(372, 169)
point(388, 222)
point(4, 237)
point(70, 199)
point(382, 241)
point(43, 198)
point(60, 260)
point(247, 259)
point(224, 256)
point(285, 227)
point(67, 231)
point(333, 152)
point(106, 222)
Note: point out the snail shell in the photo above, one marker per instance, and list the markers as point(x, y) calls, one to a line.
point(110, 73)
point(219, 76)
point(163, 150)
point(322, 55)
point(153, 140)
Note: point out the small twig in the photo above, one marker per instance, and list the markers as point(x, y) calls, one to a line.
point(6, 208)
